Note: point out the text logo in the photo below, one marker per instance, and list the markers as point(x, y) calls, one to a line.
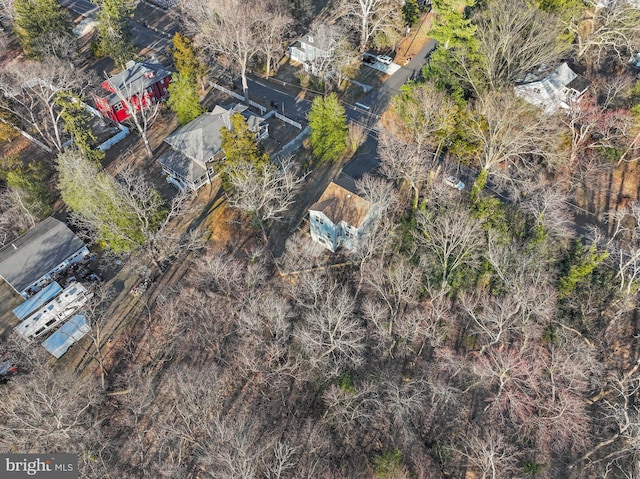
point(45, 466)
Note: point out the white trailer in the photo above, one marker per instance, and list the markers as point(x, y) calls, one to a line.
point(54, 313)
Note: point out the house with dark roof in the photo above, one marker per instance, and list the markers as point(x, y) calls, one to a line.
point(197, 146)
point(552, 90)
point(31, 261)
point(340, 217)
point(139, 85)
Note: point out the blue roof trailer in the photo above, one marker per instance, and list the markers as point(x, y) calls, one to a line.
point(38, 300)
point(70, 333)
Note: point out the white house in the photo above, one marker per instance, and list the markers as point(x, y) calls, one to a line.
point(312, 48)
point(340, 217)
point(552, 90)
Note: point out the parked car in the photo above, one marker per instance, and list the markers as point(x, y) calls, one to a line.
point(387, 60)
point(454, 182)
point(369, 58)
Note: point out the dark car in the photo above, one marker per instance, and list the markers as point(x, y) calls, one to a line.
point(368, 58)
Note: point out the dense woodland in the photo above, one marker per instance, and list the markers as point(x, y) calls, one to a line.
point(473, 334)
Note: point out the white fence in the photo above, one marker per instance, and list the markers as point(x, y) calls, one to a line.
point(226, 90)
point(288, 120)
point(262, 109)
point(258, 106)
point(293, 145)
point(124, 131)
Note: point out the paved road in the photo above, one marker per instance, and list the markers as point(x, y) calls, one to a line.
point(81, 7)
point(144, 37)
point(378, 99)
point(366, 160)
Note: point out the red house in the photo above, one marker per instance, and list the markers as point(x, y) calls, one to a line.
point(140, 84)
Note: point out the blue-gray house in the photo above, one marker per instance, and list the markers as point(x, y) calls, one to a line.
point(340, 217)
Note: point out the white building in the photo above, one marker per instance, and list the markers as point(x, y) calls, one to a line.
point(314, 49)
point(553, 90)
point(50, 316)
point(340, 217)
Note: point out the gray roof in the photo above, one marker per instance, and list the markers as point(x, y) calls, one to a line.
point(137, 77)
point(38, 251)
point(181, 165)
point(201, 139)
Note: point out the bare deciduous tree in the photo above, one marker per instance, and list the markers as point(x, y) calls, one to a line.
point(48, 411)
point(235, 449)
point(372, 17)
point(490, 452)
point(283, 460)
point(141, 107)
point(350, 411)
point(266, 190)
point(396, 285)
point(549, 208)
point(623, 244)
point(514, 38)
point(511, 131)
point(453, 238)
point(272, 33)
point(404, 161)
point(428, 115)
point(229, 29)
point(32, 87)
point(621, 417)
point(611, 30)
point(330, 335)
point(338, 60)
point(15, 216)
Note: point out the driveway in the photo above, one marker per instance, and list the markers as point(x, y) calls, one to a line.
point(378, 99)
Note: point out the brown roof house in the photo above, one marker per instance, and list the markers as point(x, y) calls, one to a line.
point(197, 146)
point(340, 217)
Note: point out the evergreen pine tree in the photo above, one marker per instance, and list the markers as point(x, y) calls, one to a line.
point(329, 130)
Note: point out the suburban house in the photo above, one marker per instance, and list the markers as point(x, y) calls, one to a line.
point(197, 146)
point(552, 90)
point(312, 48)
point(32, 261)
point(138, 85)
point(340, 217)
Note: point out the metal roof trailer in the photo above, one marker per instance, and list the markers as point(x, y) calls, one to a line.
point(57, 311)
point(37, 301)
point(70, 333)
